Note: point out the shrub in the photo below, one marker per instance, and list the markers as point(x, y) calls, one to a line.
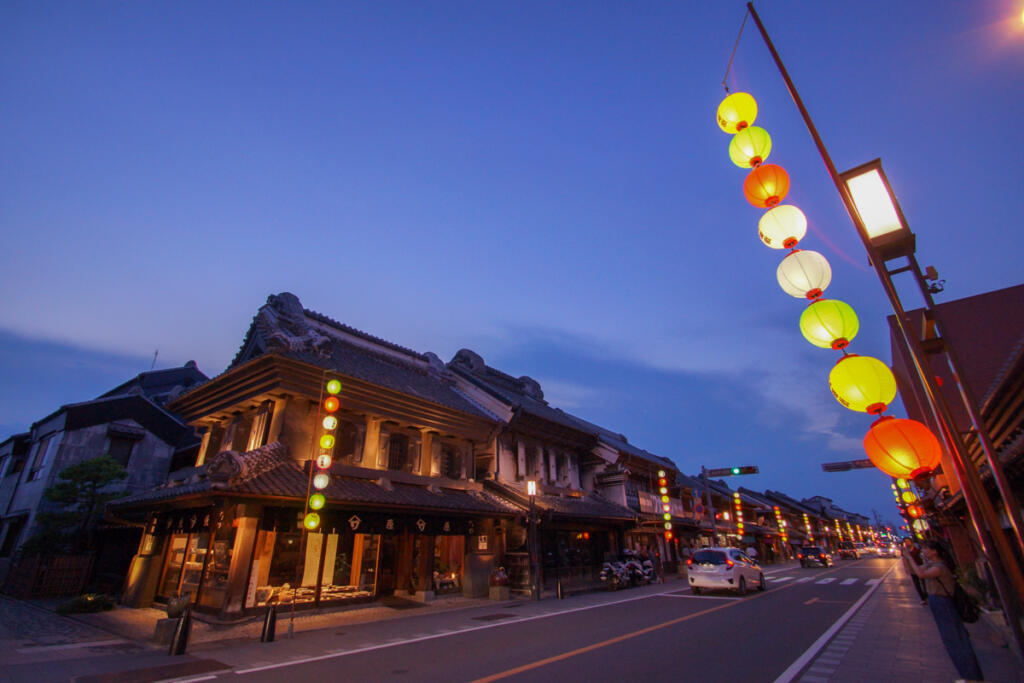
point(90, 602)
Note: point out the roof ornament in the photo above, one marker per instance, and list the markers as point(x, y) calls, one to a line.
point(289, 328)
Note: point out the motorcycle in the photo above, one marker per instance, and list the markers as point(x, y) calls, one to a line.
point(640, 571)
point(614, 575)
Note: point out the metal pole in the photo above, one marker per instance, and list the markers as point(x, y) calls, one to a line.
point(534, 563)
point(711, 508)
point(1006, 570)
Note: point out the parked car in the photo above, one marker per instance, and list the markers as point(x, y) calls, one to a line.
point(847, 551)
point(864, 550)
point(724, 568)
point(813, 556)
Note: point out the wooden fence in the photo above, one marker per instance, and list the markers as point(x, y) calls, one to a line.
point(48, 576)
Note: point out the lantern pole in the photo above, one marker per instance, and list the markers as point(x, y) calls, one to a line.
point(1006, 569)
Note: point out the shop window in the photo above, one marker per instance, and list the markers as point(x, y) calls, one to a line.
point(343, 563)
point(186, 556)
point(449, 555)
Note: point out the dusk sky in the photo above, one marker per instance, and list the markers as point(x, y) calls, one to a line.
point(541, 182)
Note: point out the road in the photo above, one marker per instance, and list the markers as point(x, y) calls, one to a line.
point(660, 632)
point(660, 636)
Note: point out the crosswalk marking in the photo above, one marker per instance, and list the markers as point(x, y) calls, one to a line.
point(783, 578)
point(847, 582)
point(829, 580)
point(872, 582)
point(804, 579)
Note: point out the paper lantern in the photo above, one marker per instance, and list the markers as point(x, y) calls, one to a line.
point(862, 383)
point(782, 227)
point(750, 147)
point(327, 442)
point(331, 404)
point(736, 112)
point(330, 423)
point(333, 387)
point(915, 511)
point(317, 501)
point(902, 448)
point(311, 521)
point(321, 480)
point(323, 461)
point(902, 483)
point(804, 274)
point(908, 497)
point(766, 186)
point(829, 323)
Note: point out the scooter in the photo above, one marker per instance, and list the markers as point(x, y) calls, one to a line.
point(640, 571)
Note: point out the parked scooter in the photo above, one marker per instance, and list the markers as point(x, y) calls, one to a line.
point(614, 575)
point(640, 571)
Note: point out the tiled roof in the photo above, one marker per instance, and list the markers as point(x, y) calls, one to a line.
point(282, 327)
point(587, 506)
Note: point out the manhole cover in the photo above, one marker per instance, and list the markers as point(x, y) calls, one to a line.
point(494, 617)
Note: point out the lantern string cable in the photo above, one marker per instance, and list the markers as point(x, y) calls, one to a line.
point(733, 55)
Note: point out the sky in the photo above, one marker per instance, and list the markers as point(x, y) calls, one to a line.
point(542, 182)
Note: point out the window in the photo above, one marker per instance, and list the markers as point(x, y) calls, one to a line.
point(398, 453)
point(451, 465)
point(42, 456)
point(349, 447)
point(120, 450)
point(260, 427)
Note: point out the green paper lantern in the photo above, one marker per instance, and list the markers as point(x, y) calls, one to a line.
point(312, 521)
point(863, 384)
point(333, 387)
point(316, 501)
point(750, 147)
point(829, 324)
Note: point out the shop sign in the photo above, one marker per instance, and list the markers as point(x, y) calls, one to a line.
point(192, 521)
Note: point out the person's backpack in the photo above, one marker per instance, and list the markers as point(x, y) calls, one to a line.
point(966, 606)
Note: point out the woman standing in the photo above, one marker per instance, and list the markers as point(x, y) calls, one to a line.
point(940, 584)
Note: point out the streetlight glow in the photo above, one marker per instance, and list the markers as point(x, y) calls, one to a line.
point(874, 204)
point(531, 488)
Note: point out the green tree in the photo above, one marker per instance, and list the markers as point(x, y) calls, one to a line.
point(80, 493)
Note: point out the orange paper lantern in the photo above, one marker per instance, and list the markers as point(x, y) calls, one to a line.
point(766, 186)
point(902, 448)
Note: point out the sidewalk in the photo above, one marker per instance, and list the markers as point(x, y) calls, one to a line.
point(893, 637)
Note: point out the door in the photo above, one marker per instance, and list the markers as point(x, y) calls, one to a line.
point(387, 575)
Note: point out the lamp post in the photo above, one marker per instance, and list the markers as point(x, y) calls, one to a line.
point(889, 237)
point(531, 491)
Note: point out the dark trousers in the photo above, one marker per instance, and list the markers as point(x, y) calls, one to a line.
point(955, 637)
point(919, 585)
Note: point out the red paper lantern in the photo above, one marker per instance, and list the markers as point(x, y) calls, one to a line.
point(915, 511)
point(766, 186)
point(902, 448)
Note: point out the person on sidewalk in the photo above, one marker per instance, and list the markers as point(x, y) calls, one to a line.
point(940, 582)
point(910, 549)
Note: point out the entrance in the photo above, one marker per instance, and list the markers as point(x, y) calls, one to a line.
point(387, 576)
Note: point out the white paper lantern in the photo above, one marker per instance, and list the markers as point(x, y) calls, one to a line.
point(804, 274)
point(782, 227)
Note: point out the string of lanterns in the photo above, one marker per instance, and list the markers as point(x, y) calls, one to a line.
point(901, 448)
point(321, 478)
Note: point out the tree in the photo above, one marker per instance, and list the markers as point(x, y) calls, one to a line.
point(80, 492)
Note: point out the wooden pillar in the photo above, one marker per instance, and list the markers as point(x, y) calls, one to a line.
point(204, 447)
point(241, 559)
point(371, 445)
point(277, 421)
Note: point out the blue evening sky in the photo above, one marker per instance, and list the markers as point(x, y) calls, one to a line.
point(543, 182)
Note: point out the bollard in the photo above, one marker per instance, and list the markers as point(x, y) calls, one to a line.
point(179, 642)
point(558, 589)
point(269, 625)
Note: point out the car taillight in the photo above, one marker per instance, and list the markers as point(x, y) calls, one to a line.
point(822, 556)
point(689, 562)
point(800, 556)
point(729, 563)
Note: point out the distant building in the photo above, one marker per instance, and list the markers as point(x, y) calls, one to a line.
point(128, 423)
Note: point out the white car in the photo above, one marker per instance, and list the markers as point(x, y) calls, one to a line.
point(724, 568)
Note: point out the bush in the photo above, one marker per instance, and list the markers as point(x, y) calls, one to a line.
point(90, 602)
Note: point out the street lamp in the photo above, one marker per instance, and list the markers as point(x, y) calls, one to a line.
point(531, 491)
point(884, 223)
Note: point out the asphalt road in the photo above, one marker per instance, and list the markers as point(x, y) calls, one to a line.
point(661, 635)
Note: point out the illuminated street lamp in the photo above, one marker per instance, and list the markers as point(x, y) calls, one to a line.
point(531, 491)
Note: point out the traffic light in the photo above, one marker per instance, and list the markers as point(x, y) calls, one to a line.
point(732, 471)
point(323, 460)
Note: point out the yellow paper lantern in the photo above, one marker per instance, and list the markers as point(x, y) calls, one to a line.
point(829, 323)
point(863, 384)
point(736, 112)
point(333, 387)
point(327, 442)
point(311, 521)
point(750, 147)
point(782, 227)
point(908, 497)
point(804, 274)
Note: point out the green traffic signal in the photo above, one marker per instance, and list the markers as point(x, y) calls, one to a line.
point(735, 470)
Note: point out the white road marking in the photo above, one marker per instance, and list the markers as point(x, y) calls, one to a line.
point(783, 578)
point(816, 647)
point(874, 582)
point(497, 624)
point(805, 579)
point(828, 580)
point(847, 582)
